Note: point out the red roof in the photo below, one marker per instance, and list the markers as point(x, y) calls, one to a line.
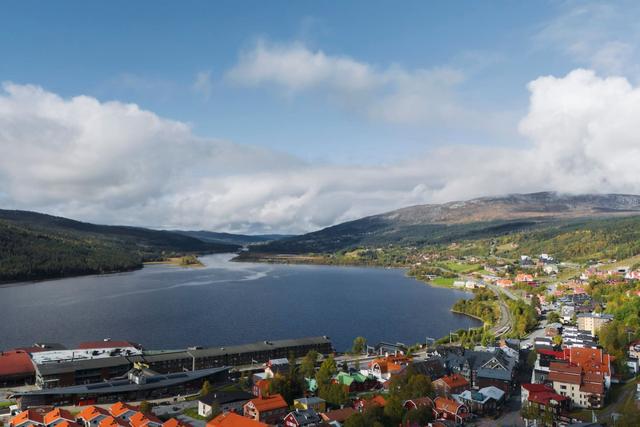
point(91, 412)
point(339, 415)
point(139, 419)
point(268, 403)
point(120, 408)
point(172, 422)
point(231, 419)
point(15, 362)
point(447, 405)
point(30, 415)
point(104, 344)
point(454, 381)
point(56, 414)
point(113, 422)
point(67, 423)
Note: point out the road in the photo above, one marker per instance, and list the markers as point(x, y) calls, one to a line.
point(503, 326)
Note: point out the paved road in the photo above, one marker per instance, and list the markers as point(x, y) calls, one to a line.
point(504, 323)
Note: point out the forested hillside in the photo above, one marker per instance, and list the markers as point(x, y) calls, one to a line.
point(36, 246)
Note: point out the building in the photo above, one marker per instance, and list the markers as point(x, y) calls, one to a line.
point(91, 416)
point(592, 322)
point(226, 401)
point(486, 401)
point(231, 419)
point(269, 409)
point(545, 398)
point(337, 416)
point(302, 418)
point(449, 409)
point(119, 415)
point(315, 403)
point(356, 381)
point(63, 368)
point(419, 402)
point(586, 390)
point(383, 368)
point(450, 384)
point(140, 385)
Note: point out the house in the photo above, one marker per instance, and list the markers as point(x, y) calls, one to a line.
point(302, 418)
point(30, 417)
point(634, 350)
point(490, 367)
point(315, 403)
point(523, 278)
point(355, 382)
point(122, 410)
point(91, 416)
point(113, 422)
point(543, 397)
point(361, 405)
point(431, 367)
point(276, 367)
point(58, 416)
point(451, 410)
point(383, 368)
point(486, 401)
point(227, 402)
point(586, 390)
point(269, 409)
point(504, 283)
point(450, 384)
point(144, 420)
point(338, 416)
point(592, 322)
point(172, 422)
point(231, 419)
point(419, 402)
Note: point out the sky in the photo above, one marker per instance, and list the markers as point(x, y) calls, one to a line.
point(286, 117)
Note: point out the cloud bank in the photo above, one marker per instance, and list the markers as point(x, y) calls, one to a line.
point(116, 163)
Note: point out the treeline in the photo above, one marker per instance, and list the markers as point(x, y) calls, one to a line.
point(35, 246)
point(483, 305)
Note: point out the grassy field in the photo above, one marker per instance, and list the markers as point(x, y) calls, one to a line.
point(460, 268)
point(442, 281)
point(193, 413)
point(6, 404)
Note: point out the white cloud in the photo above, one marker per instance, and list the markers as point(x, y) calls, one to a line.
point(202, 84)
point(393, 94)
point(598, 35)
point(113, 162)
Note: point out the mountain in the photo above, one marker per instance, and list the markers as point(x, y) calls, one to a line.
point(461, 220)
point(38, 246)
point(235, 239)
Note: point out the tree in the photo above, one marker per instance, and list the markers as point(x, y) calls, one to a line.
point(206, 388)
point(145, 407)
point(553, 317)
point(355, 420)
point(327, 370)
point(334, 394)
point(419, 416)
point(419, 386)
point(393, 411)
point(359, 345)
point(557, 340)
point(308, 365)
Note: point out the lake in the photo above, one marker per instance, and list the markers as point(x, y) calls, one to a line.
point(225, 303)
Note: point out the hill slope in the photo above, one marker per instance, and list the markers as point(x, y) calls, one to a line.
point(229, 238)
point(474, 219)
point(38, 246)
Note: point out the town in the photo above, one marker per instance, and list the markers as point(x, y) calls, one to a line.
point(575, 363)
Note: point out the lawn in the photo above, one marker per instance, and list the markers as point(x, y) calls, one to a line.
point(193, 413)
point(457, 267)
point(6, 404)
point(442, 281)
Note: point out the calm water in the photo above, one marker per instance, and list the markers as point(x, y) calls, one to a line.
point(228, 303)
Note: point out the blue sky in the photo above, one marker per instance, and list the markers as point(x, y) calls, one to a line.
point(150, 52)
point(302, 97)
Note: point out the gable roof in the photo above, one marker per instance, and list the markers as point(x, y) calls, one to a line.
point(268, 403)
point(231, 419)
point(139, 419)
point(454, 381)
point(33, 416)
point(172, 422)
point(222, 397)
point(339, 415)
point(91, 412)
point(56, 414)
point(15, 362)
point(113, 422)
point(447, 405)
point(120, 408)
